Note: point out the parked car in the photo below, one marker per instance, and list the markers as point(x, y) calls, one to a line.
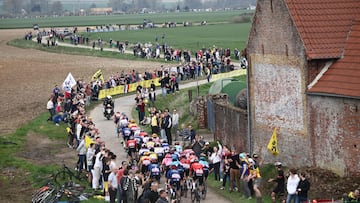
point(36, 27)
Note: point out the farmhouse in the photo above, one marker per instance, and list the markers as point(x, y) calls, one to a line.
point(304, 79)
point(100, 11)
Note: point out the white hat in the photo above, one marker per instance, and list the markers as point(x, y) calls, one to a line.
point(278, 163)
point(207, 143)
point(251, 160)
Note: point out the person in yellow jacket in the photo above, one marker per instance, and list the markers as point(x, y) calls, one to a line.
point(155, 123)
point(255, 175)
point(353, 196)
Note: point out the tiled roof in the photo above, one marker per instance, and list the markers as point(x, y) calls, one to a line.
point(323, 25)
point(343, 77)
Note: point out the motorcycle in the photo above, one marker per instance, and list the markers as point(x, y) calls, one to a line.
point(109, 111)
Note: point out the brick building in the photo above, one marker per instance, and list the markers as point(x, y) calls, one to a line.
point(304, 78)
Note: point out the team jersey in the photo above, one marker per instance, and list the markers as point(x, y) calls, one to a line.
point(143, 150)
point(173, 175)
point(145, 160)
point(138, 139)
point(205, 165)
point(187, 152)
point(159, 151)
point(153, 155)
point(126, 132)
point(132, 125)
point(185, 163)
point(197, 169)
point(131, 144)
point(178, 149)
point(175, 156)
point(165, 146)
point(123, 123)
point(150, 144)
point(154, 169)
point(167, 160)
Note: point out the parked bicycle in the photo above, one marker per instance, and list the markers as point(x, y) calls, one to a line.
point(44, 194)
point(66, 174)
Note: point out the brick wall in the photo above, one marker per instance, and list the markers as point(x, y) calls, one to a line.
point(335, 133)
point(231, 126)
point(277, 85)
point(230, 123)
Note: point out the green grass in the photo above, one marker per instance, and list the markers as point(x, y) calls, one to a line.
point(193, 38)
point(236, 196)
point(8, 152)
point(159, 18)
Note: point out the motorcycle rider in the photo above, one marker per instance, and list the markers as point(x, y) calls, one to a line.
point(108, 101)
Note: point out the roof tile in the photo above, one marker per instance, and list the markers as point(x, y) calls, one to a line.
point(342, 77)
point(325, 22)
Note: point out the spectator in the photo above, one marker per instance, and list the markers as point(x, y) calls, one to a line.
point(353, 196)
point(302, 189)
point(163, 197)
point(226, 173)
point(292, 183)
point(51, 108)
point(197, 145)
point(215, 159)
point(256, 178)
point(234, 169)
point(167, 124)
point(90, 155)
point(153, 194)
point(244, 175)
point(113, 185)
point(175, 123)
point(81, 149)
point(279, 190)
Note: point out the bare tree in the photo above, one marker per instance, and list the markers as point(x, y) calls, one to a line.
point(14, 6)
point(116, 4)
point(57, 8)
point(193, 4)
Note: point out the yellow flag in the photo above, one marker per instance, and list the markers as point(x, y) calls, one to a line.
point(98, 75)
point(88, 141)
point(273, 144)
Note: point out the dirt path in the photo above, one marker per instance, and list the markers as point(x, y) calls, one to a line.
point(107, 133)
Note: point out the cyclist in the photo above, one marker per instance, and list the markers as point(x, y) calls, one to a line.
point(173, 179)
point(154, 170)
point(165, 145)
point(144, 162)
point(205, 165)
point(143, 149)
point(159, 150)
point(178, 147)
point(166, 162)
point(131, 148)
point(197, 173)
point(150, 143)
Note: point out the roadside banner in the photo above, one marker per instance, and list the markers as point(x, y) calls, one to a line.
point(68, 83)
point(98, 76)
point(273, 144)
point(146, 83)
